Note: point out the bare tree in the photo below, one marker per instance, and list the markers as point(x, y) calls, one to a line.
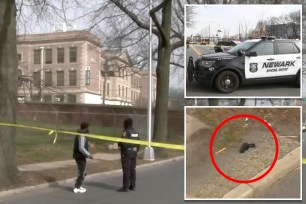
point(190, 13)
point(8, 91)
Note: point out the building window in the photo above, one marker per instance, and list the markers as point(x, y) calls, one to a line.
point(73, 54)
point(126, 92)
point(36, 56)
point(107, 89)
point(119, 90)
point(36, 79)
point(47, 98)
point(60, 55)
point(60, 78)
point(19, 57)
point(87, 77)
point(48, 56)
point(71, 98)
point(48, 78)
point(72, 78)
point(59, 98)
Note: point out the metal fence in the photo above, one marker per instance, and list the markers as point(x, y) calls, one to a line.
point(110, 124)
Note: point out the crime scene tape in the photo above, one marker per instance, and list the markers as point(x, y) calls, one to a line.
point(304, 161)
point(95, 136)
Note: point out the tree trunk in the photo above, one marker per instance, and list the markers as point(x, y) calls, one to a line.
point(160, 131)
point(8, 91)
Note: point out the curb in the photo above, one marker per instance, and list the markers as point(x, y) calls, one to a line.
point(283, 167)
point(88, 177)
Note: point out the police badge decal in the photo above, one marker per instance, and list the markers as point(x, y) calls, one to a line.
point(253, 67)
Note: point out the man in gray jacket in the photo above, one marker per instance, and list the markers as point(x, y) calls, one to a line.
point(80, 153)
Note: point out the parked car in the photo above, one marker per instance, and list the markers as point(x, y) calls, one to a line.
point(224, 46)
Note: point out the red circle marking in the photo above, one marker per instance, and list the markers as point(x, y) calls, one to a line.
point(213, 138)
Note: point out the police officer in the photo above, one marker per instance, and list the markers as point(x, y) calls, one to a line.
point(128, 156)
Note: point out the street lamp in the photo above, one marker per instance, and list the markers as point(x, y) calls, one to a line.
point(41, 73)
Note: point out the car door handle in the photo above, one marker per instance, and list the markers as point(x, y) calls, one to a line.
point(298, 57)
point(270, 59)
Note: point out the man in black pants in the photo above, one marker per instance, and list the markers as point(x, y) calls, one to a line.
point(128, 156)
point(80, 153)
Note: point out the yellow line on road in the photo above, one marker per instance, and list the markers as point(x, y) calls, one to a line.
point(197, 51)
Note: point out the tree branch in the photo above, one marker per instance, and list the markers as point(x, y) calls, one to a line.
point(133, 17)
point(177, 44)
point(157, 24)
point(176, 64)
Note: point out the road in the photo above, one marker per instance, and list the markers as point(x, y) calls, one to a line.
point(285, 188)
point(259, 90)
point(158, 184)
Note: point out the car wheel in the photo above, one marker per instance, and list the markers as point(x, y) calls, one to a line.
point(227, 82)
point(190, 69)
point(298, 80)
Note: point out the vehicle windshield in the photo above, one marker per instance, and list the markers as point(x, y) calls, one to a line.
point(243, 46)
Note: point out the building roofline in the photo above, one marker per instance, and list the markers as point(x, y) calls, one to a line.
point(69, 36)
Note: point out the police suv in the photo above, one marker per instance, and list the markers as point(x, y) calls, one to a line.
point(265, 60)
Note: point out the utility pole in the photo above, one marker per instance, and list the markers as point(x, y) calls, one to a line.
point(209, 34)
point(239, 32)
point(149, 151)
point(41, 74)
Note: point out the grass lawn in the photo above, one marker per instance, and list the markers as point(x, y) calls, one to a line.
point(37, 146)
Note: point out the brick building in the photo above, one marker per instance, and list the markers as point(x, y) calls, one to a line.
point(121, 81)
point(70, 67)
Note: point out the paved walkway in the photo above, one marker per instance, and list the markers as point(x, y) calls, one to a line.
point(163, 183)
point(61, 164)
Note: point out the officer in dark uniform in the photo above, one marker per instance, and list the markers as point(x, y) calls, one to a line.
point(128, 156)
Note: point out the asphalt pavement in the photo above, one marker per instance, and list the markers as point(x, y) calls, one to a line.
point(285, 188)
point(259, 90)
point(155, 184)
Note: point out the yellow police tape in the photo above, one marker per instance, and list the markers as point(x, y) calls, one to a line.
point(304, 161)
point(100, 137)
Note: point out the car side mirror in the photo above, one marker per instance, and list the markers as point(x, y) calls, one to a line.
point(251, 54)
point(240, 52)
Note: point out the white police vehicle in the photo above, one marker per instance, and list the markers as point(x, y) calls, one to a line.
point(265, 60)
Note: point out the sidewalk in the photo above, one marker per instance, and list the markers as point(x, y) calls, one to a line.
point(62, 164)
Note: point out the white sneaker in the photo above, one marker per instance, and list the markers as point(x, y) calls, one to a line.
point(79, 190)
point(83, 189)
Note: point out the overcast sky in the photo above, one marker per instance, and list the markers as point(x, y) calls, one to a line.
point(227, 17)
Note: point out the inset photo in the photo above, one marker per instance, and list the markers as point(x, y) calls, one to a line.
point(243, 51)
point(251, 153)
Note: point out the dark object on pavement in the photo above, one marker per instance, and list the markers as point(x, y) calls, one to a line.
point(246, 146)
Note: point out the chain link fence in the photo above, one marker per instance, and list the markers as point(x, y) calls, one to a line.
point(104, 121)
